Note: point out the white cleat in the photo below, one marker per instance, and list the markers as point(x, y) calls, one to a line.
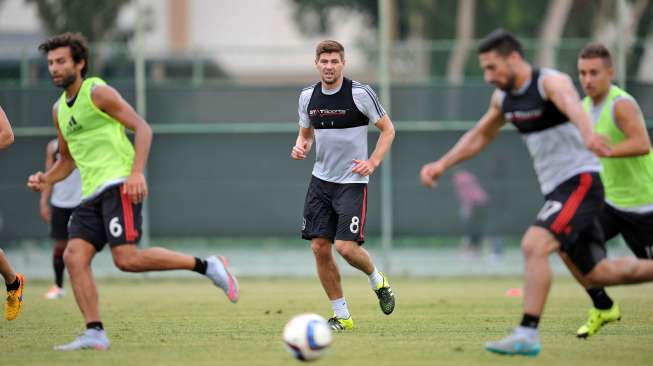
point(55, 292)
point(218, 272)
point(92, 339)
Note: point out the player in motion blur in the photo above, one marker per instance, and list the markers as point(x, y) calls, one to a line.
point(90, 118)
point(57, 205)
point(627, 173)
point(15, 281)
point(545, 108)
point(335, 113)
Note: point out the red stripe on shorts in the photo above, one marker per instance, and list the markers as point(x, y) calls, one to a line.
point(363, 213)
point(128, 216)
point(573, 202)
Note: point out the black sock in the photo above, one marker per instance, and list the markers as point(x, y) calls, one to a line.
point(59, 266)
point(530, 321)
point(95, 325)
point(600, 298)
point(200, 266)
point(13, 286)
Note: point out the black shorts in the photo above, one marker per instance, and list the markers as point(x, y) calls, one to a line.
point(636, 229)
point(335, 211)
point(110, 217)
point(570, 213)
point(59, 218)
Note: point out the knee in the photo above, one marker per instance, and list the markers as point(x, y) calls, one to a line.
point(125, 264)
point(345, 249)
point(531, 249)
point(321, 248)
point(70, 257)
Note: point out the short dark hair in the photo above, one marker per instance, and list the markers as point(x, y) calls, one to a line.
point(504, 43)
point(328, 46)
point(596, 50)
point(75, 41)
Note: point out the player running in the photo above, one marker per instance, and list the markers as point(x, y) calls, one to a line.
point(15, 281)
point(544, 107)
point(627, 174)
point(90, 118)
point(57, 205)
point(335, 113)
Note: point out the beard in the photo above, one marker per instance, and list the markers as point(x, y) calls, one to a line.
point(66, 81)
point(509, 85)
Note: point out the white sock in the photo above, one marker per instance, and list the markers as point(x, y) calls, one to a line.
point(340, 308)
point(530, 333)
point(375, 279)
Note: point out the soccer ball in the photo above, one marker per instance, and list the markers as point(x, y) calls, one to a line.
point(307, 336)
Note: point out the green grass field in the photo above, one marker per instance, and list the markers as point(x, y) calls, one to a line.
point(437, 322)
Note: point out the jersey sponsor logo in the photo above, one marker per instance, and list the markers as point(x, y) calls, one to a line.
point(303, 223)
point(327, 112)
point(73, 125)
point(523, 116)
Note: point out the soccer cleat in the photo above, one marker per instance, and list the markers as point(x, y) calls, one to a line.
point(92, 339)
point(339, 324)
point(516, 344)
point(386, 296)
point(597, 319)
point(15, 299)
point(217, 271)
point(55, 292)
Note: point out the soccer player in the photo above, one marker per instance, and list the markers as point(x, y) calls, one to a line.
point(335, 113)
point(627, 174)
point(15, 281)
point(90, 118)
point(57, 205)
point(545, 108)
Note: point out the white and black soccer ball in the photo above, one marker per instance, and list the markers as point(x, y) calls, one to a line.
point(307, 336)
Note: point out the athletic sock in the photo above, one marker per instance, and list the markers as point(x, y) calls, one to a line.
point(530, 321)
point(340, 308)
point(529, 332)
point(59, 266)
point(200, 266)
point(95, 325)
point(375, 279)
point(600, 298)
point(13, 286)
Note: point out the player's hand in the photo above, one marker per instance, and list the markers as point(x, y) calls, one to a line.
point(430, 173)
point(599, 145)
point(135, 187)
point(364, 167)
point(45, 211)
point(36, 182)
point(299, 151)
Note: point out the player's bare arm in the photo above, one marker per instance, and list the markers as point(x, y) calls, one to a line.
point(6, 133)
point(44, 206)
point(561, 91)
point(60, 170)
point(630, 122)
point(111, 102)
point(469, 145)
point(303, 143)
point(367, 167)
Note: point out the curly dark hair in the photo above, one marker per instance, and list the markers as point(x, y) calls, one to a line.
point(75, 41)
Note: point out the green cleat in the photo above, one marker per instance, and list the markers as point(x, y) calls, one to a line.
point(386, 296)
point(597, 319)
point(339, 324)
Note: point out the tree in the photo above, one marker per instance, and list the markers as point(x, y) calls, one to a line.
point(551, 31)
point(96, 20)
